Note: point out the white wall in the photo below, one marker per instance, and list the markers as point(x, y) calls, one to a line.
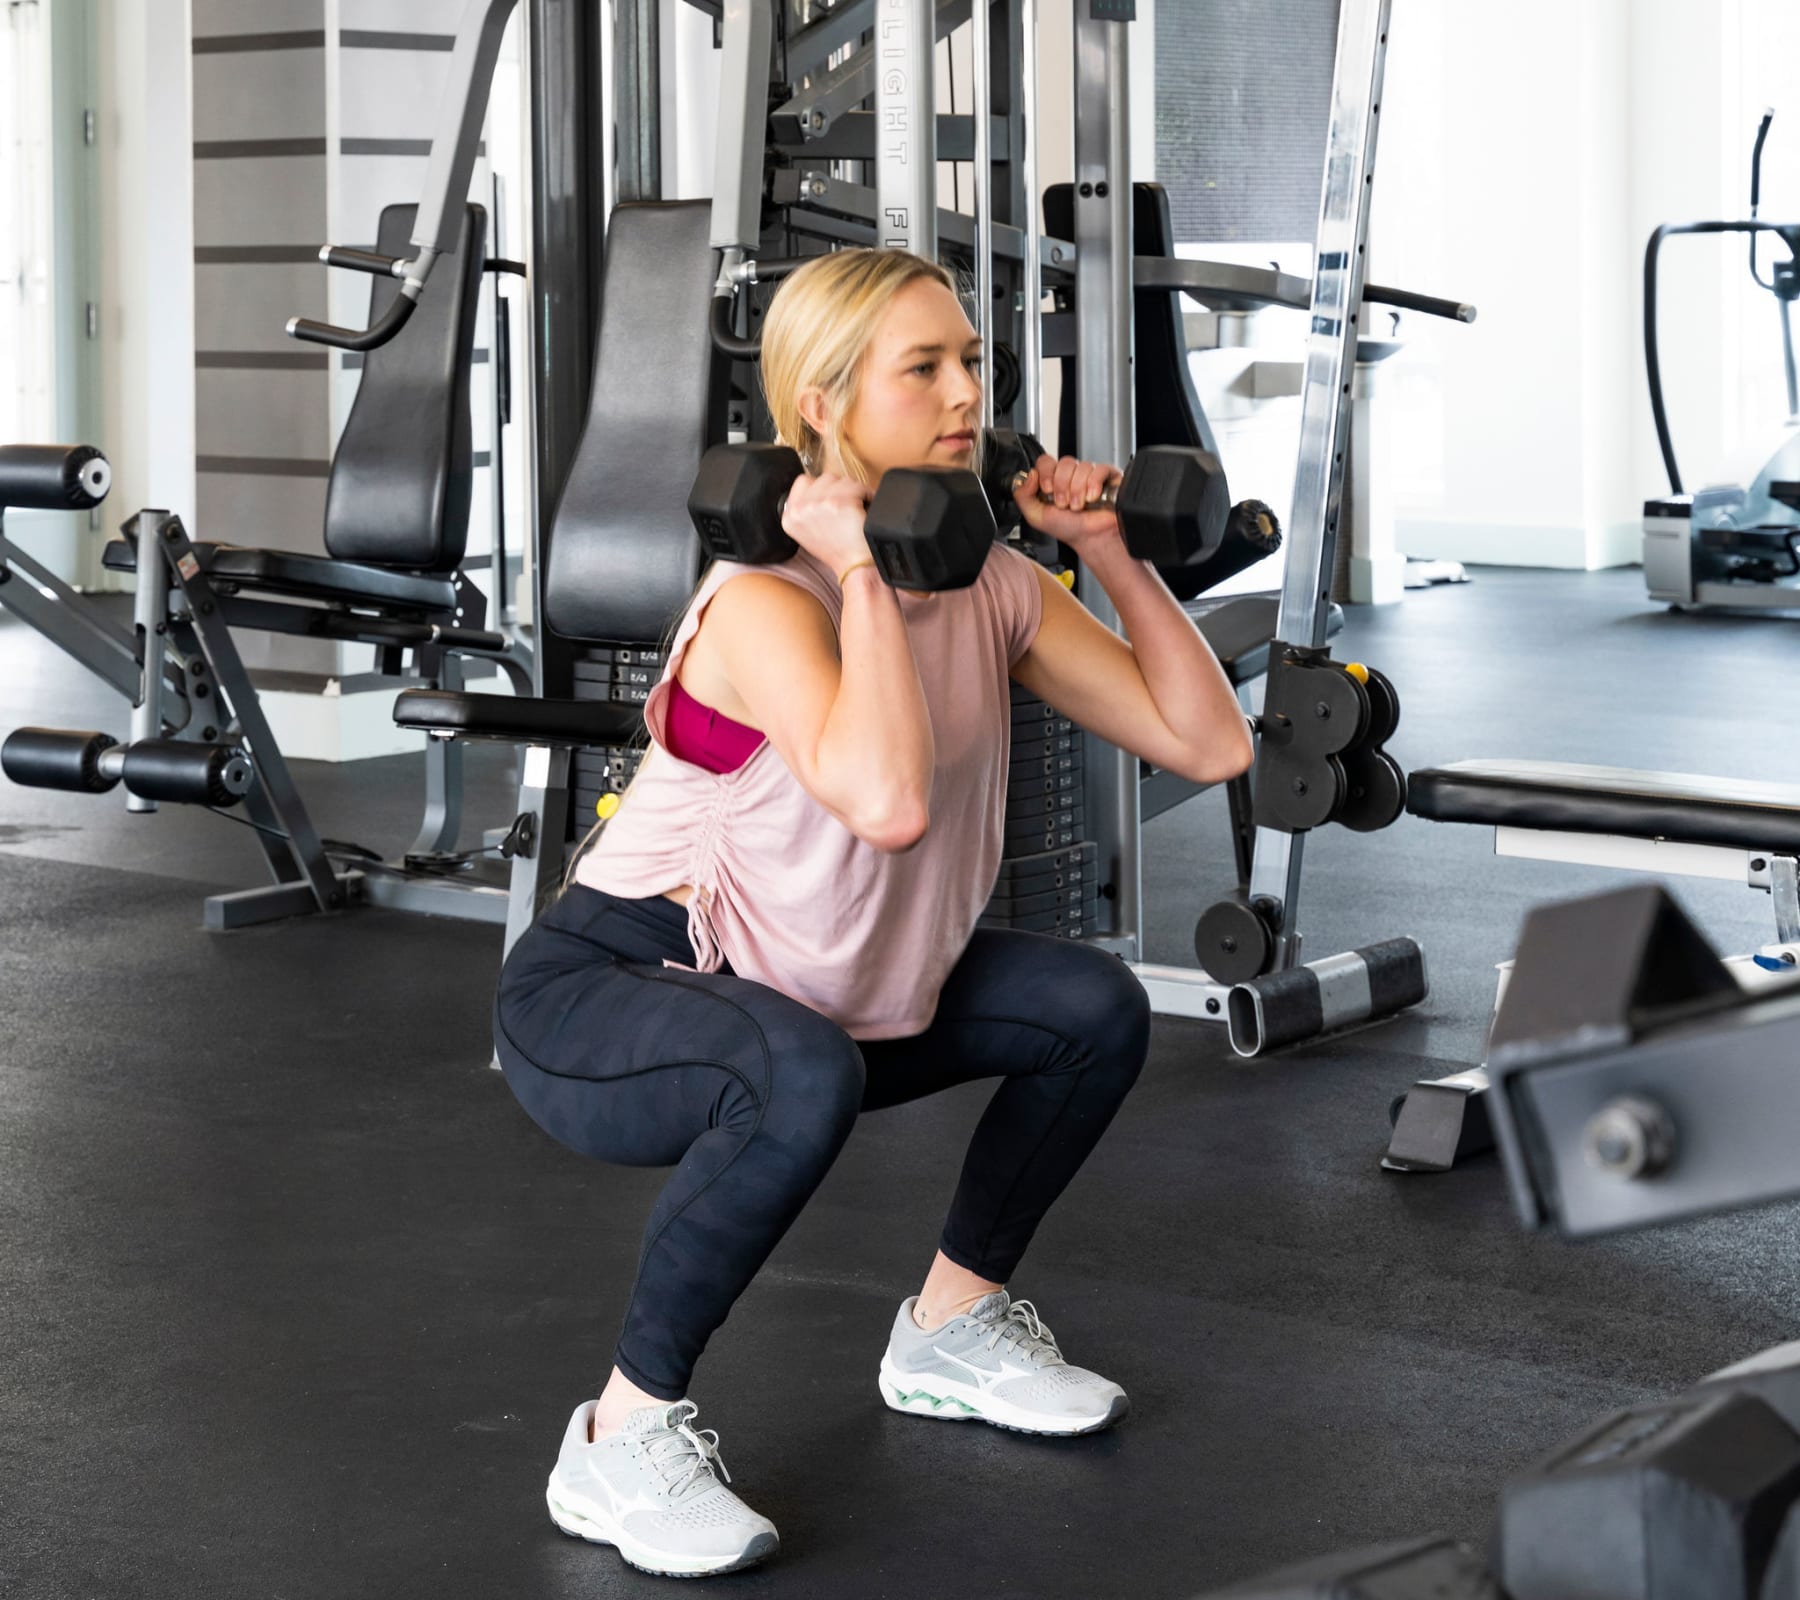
point(147, 259)
point(1525, 157)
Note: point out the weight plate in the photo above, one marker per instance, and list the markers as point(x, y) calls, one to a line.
point(1384, 708)
point(1233, 942)
point(1297, 792)
point(1374, 791)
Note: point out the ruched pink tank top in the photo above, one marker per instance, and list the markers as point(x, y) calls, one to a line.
point(783, 891)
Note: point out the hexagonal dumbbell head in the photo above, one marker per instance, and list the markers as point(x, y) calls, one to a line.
point(930, 528)
point(737, 498)
point(1657, 1503)
point(1173, 505)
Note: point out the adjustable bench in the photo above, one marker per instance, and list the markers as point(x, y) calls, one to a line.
point(1660, 822)
point(395, 533)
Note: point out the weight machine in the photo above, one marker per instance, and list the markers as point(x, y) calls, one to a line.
point(828, 134)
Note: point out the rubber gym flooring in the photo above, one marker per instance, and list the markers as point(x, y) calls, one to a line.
point(295, 1302)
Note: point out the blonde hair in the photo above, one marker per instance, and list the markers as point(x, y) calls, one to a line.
point(816, 333)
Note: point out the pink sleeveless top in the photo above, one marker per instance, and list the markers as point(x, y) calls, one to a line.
point(783, 891)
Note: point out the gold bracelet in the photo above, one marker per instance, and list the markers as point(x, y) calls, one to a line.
point(867, 561)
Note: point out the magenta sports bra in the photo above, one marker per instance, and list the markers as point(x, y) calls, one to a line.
point(700, 735)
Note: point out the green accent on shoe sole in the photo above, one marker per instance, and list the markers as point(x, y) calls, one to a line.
point(937, 1401)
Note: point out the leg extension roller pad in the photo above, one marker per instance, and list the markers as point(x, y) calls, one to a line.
point(1285, 1007)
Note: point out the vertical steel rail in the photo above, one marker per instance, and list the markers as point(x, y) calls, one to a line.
point(150, 615)
point(1340, 252)
point(905, 127)
point(1031, 354)
point(637, 98)
point(1103, 415)
point(981, 65)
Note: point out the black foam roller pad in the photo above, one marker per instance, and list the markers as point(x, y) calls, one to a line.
point(1285, 1007)
point(185, 772)
point(1251, 535)
point(57, 758)
point(1414, 1569)
point(52, 477)
point(1667, 1502)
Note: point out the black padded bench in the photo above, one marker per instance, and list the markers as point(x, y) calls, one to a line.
point(286, 572)
point(1664, 822)
point(1559, 797)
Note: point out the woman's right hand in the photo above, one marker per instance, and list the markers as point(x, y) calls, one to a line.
point(824, 516)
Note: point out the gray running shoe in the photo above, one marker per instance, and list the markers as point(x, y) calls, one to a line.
point(649, 1489)
point(997, 1363)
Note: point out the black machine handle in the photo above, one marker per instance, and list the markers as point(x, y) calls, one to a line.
point(370, 338)
point(1787, 232)
point(1429, 304)
point(354, 260)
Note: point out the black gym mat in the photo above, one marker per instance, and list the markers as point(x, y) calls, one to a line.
point(294, 1301)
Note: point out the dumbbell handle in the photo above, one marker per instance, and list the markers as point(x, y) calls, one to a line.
point(1104, 501)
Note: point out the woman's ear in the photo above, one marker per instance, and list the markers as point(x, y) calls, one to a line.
point(815, 410)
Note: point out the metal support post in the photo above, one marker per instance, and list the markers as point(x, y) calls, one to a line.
point(1340, 249)
point(981, 71)
point(906, 127)
point(637, 86)
point(537, 869)
point(1103, 416)
point(150, 621)
point(746, 57)
point(1031, 354)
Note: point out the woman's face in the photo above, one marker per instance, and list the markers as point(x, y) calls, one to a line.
point(919, 401)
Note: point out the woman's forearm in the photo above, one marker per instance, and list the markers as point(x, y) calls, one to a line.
point(1188, 686)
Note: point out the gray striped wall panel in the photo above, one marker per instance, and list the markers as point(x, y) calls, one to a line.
point(391, 94)
point(213, 18)
point(244, 306)
point(259, 413)
point(259, 201)
point(259, 94)
point(399, 16)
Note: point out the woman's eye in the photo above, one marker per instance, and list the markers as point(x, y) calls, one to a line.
point(926, 368)
point(973, 363)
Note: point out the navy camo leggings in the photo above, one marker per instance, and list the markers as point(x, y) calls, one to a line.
point(749, 1095)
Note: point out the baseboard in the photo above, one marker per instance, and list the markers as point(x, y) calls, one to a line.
point(1621, 545)
point(338, 727)
point(1567, 547)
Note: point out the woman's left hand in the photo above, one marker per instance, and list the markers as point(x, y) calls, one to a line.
point(1057, 498)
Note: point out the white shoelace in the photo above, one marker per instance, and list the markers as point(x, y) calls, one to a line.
point(684, 1447)
point(1022, 1330)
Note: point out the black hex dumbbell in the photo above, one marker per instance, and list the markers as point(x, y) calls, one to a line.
point(928, 528)
point(1173, 503)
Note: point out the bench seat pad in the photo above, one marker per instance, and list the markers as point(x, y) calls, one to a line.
point(1565, 797)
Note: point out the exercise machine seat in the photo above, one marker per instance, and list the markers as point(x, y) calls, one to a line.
point(622, 557)
point(1168, 409)
point(1241, 627)
point(1564, 797)
point(306, 577)
point(580, 723)
point(402, 472)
